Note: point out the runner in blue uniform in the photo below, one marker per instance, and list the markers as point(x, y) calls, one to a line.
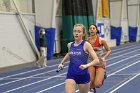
point(79, 51)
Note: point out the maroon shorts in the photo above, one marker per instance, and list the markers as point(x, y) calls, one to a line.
point(96, 67)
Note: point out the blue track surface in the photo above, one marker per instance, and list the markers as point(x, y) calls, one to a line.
point(123, 75)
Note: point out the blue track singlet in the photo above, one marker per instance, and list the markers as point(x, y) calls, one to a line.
point(77, 57)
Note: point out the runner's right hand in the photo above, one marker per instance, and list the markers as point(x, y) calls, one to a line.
point(60, 65)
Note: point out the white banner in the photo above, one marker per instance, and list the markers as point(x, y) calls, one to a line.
point(138, 22)
point(104, 28)
point(124, 22)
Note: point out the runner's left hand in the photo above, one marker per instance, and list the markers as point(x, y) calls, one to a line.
point(83, 67)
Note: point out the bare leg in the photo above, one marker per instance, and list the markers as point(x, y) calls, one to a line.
point(99, 77)
point(92, 76)
point(70, 86)
point(83, 88)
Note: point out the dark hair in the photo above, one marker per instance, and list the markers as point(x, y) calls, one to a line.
point(98, 32)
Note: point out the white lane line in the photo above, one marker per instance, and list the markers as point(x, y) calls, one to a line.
point(130, 74)
point(65, 67)
point(124, 47)
point(32, 76)
point(22, 86)
point(51, 87)
point(55, 70)
point(124, 83)
point(122, 60)
point(123, 54)
point(120, 70)
point(124, 50)
point(123, 68)
point(57, 64)
point(107, 76)
point(33, 83)
point(28, 77)
point(21, 73)
point(43, 77)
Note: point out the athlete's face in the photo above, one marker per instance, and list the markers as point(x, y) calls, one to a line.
point(92, 30)
point(78, 32)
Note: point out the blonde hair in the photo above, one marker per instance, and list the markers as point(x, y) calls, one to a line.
point(84, 29)
point(81, 25)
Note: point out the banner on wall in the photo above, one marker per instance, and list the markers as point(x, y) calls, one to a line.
point(103, 21)
point(99, 9)
point(101, 29)
point(138, 22)
point(124, 36)
point(124, 22)
point(133, 34)
point(107, 28)
point(105, 8)
point(116, 33)
point(104, 28)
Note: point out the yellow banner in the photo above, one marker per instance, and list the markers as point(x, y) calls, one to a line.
point(105, 8)
point(99, 9)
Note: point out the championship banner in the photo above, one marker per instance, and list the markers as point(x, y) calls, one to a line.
point(101, 29)
point(99, 9)
point(124, 22)
point(103, 25)
point(103, 21)
point(105, 8)
point(138, 22)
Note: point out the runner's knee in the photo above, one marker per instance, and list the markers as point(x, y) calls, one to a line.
point(98, 84)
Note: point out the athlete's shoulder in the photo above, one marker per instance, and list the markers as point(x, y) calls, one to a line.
point(69, 44)
point(102, 40)
point(87, 43)
point(87, 46)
